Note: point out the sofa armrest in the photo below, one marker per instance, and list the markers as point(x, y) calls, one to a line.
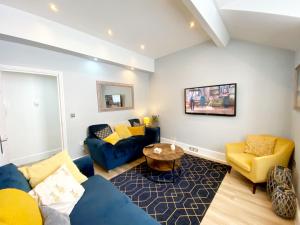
point(85, 165)
point(153, 133)
point(100, 151)
point(262, 165)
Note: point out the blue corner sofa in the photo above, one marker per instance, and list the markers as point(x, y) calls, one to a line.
point(101, 204)
point(110, 156)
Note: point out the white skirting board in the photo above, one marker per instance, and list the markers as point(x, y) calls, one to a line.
point(34, 157)
point(202, 152)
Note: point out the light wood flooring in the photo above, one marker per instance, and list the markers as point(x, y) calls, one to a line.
point(234, 203)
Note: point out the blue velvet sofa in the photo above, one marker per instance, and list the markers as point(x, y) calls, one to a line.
point(110, 156)
point(101, 204)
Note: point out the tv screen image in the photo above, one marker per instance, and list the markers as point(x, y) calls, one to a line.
point(219, 100)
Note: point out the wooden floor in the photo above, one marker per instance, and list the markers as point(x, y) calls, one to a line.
point(234, 203)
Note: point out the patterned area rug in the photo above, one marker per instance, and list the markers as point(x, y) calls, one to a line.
point(183, 203)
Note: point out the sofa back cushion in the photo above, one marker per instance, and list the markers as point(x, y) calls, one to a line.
point(11, 177)
point(100, 131)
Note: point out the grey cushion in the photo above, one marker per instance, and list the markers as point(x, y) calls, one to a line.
point(53, 217)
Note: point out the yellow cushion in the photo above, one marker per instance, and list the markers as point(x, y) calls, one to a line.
point(260, 145)
point(138, 130)
point(242, 160)
point(18, 208)
point(122, 131)
point(37, 172)
point(113, 138)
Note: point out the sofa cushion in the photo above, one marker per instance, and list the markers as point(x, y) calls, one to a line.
point(102, 204)
point(11, 177)
point(137, 130)
point(123, 131)
point(59, 191)
point(53, 217)
point(242, 160)
point(112, 138)
point(260, 145)
point(39, 171)
point(99, 131)
point(18, 208)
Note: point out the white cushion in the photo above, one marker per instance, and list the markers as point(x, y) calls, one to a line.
point(59, 191)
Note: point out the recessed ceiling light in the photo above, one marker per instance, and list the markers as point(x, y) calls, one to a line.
point(192, 24)
point(109, 32)
point(132, 68)
point(53, 7)
point(142, 47)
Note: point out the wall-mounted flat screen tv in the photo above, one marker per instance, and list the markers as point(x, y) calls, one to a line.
point(218, 100)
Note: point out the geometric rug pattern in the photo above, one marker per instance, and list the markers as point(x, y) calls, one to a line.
point(183, 203)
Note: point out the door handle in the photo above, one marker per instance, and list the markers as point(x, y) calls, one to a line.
point(1, 141)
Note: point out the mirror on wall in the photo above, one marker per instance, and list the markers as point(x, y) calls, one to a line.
point(114, 96)
point(297, 89)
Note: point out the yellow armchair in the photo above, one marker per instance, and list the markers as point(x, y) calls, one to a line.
point(256, 168)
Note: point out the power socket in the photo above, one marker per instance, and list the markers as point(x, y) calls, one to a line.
point(193, 149)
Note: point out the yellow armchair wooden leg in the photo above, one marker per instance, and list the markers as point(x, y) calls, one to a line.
point(254, 188)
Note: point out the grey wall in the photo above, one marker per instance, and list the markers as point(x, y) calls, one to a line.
point(264, 101)
point(296, 138)
point(79, 77)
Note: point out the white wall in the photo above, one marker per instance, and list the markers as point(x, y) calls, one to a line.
point(79, 76)
point(296, 137)
point(32, 115)
point(264, 92)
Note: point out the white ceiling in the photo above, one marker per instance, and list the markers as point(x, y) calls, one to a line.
point(161, 25)
point(270, 22)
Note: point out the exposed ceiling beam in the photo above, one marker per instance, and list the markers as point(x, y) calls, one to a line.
point(22, 25)
point(207, 14)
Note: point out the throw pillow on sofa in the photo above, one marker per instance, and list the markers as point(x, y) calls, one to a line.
point(59, 191)
point(113, 138)
point(11, 177)
point(138, 130)
point(18, 208)
point(122, 131)
point(103, 133)
point(260, 145)
point(37, 172)
point(53, 217)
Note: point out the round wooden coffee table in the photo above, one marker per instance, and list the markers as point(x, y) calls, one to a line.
point(167, 160)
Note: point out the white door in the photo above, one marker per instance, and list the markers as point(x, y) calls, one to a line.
point(31, 115)
point(3, 133)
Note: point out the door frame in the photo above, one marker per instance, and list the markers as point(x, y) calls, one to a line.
point(60, 91)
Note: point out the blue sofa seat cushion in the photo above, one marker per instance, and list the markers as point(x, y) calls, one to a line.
point(11, 177)
point(103, 204)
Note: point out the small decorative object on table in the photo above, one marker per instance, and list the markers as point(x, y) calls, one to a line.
point(277, 176)
point(157, 150)
point(284, 202)
point(173, 147)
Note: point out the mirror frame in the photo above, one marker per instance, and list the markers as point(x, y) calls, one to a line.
point(100, 96)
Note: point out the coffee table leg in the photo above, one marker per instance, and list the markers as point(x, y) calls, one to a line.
point(173, 171)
